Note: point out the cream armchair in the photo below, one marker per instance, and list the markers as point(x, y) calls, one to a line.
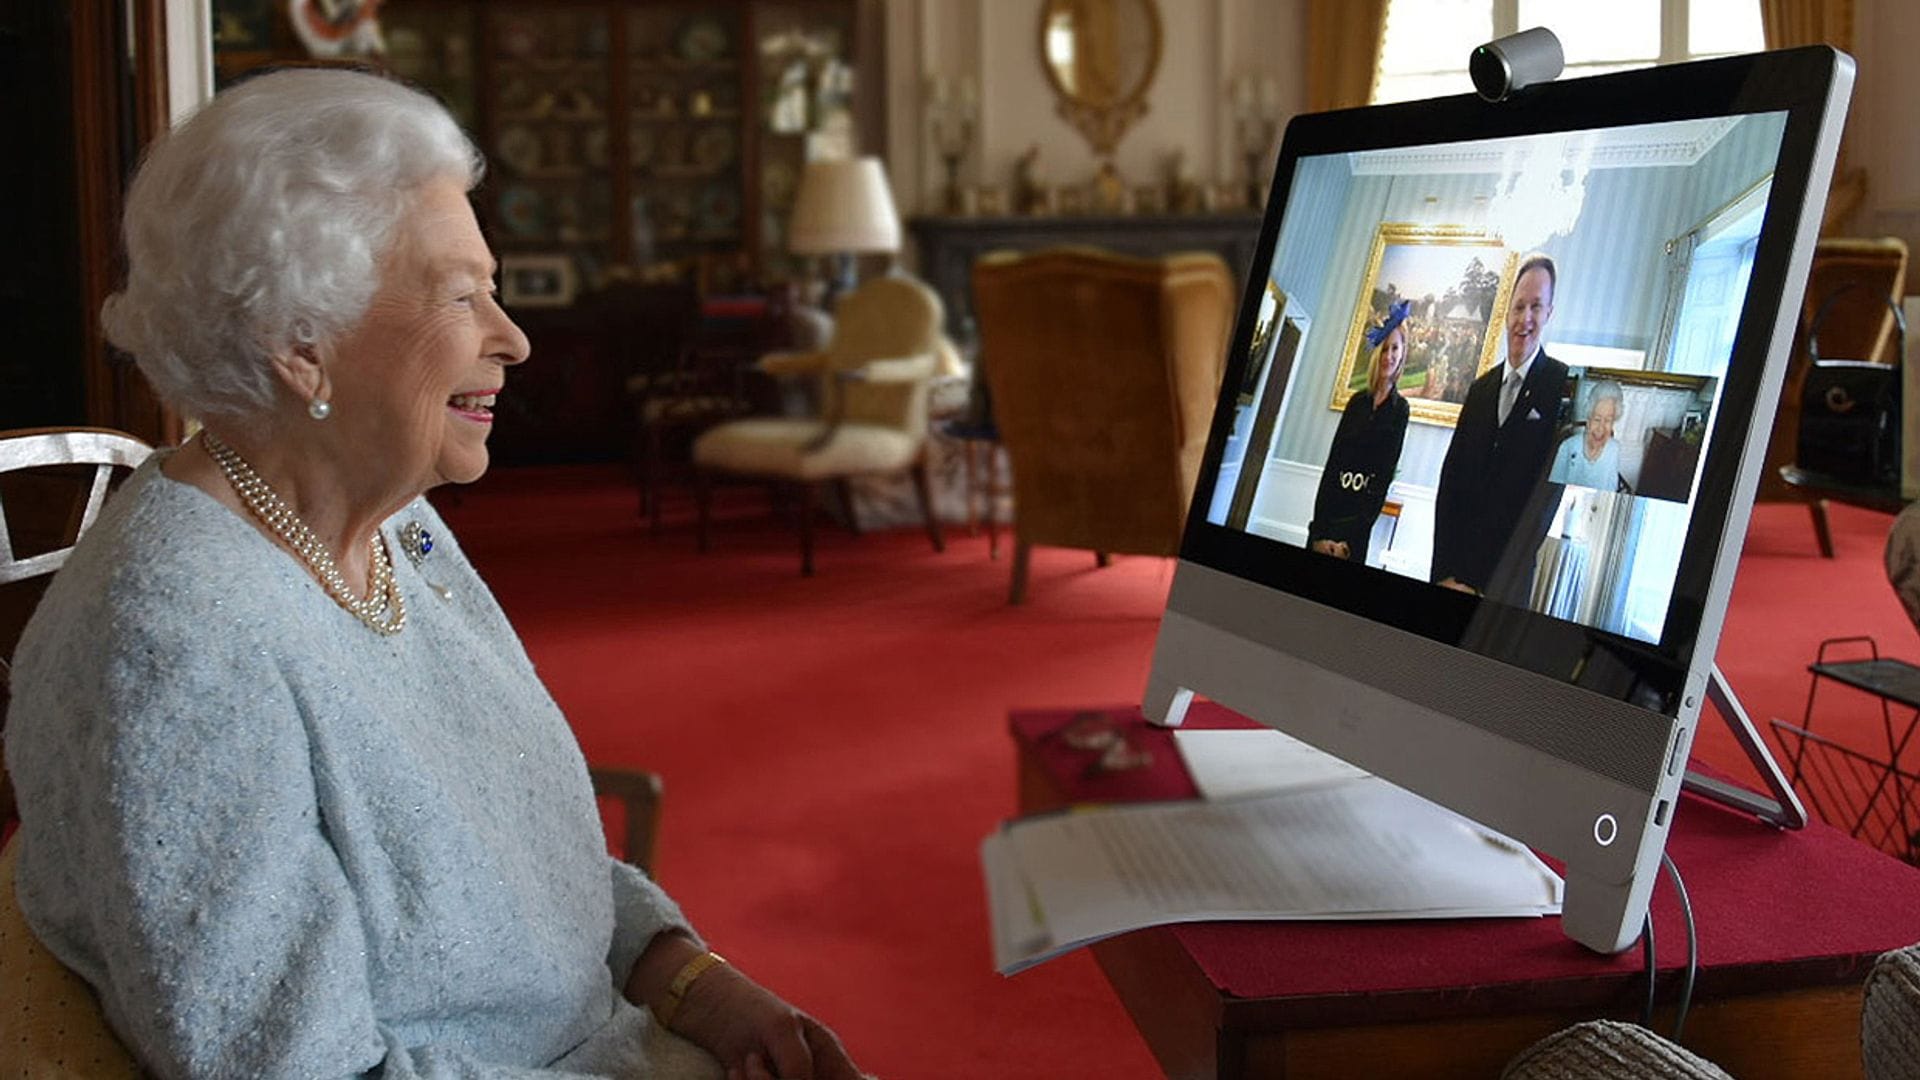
point(874, 377)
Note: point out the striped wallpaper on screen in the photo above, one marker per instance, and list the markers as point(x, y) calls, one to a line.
point(1612, 276)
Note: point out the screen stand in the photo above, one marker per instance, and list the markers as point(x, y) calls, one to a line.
point(1784, 808)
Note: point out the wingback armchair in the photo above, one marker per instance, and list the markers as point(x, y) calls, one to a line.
point(874, 378)
point(1104, 370)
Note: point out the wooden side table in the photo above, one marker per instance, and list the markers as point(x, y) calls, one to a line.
point(1789, 923)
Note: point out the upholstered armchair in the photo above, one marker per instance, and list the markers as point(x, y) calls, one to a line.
point(1104, 371)
point(874, 377)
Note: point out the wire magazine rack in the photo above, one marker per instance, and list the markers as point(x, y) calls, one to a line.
point(1876, 800)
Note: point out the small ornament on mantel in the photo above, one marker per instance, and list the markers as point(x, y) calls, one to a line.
point(1181, 193)
point(1108, 190)
point(1029, 185)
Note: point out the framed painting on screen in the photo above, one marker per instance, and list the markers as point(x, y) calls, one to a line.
point(1457, 279)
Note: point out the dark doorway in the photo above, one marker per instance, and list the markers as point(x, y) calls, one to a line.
point(41, 371)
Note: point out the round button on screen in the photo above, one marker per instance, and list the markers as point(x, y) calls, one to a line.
point(1605, 829)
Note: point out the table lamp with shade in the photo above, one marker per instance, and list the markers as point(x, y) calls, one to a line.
point(843, 209)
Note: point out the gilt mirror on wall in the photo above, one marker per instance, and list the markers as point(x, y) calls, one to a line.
point(1100, 56)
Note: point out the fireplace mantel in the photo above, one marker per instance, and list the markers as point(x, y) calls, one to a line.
point(949, 245)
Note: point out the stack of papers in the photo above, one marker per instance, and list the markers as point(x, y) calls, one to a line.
point(1316, 839)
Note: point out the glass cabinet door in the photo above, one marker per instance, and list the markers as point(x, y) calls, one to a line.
point(548, 100)
point(433, 47)
point(642, 138)
point(686, 78)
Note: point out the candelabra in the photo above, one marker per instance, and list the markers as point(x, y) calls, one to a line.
point(1256, 126)
point(951, 109)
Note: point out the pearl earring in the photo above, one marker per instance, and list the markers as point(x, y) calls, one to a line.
point(319, 409)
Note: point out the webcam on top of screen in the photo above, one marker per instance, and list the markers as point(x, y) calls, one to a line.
point(1504, 66)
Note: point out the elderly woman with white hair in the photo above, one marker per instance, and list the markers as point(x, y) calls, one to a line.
point(1590, 457)
point(293, 800)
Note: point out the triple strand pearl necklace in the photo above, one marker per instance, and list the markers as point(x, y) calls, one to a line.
point(382, 609)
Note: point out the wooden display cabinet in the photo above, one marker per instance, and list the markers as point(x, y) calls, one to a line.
point(646, 133)
point(634, 138)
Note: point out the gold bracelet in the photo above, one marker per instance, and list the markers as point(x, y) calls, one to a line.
point(683, 981)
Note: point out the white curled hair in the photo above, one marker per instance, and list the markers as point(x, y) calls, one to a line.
point(1607, 390)
point(258, 226)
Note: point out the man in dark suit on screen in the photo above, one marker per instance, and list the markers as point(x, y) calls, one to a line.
point(1493, 481)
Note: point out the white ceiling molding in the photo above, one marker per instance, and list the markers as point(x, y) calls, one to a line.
point(1680, 142)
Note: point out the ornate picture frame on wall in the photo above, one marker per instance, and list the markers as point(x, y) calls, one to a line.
point(1272, 302)
point(1100, 57)
point(1458, 279)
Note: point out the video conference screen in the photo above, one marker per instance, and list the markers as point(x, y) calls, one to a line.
point(1494, 365)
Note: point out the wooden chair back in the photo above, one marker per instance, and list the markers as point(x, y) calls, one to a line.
point(53, 482)
point(638, 794)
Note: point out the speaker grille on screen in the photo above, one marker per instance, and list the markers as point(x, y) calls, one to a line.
point(1613, 739)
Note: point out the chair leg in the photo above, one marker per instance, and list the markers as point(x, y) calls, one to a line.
point(703, 498)
point(1021, 549)
point(921, 490)
point(966, 460)
point(993, 500)
point(1821, 531)
point(843, 490)
point(650, 476)
point(1102, 559)
point(806, 530)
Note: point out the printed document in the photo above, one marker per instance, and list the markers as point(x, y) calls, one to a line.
point(1229, 763)
point(1357, 848)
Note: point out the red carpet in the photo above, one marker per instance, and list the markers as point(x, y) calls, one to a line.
point(835, 748)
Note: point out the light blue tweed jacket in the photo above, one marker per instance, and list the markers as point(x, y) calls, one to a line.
point(278, 844)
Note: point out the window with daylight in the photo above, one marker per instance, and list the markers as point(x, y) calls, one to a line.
point(1427, 41)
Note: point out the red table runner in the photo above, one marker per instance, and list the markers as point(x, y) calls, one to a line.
point(1790, 909)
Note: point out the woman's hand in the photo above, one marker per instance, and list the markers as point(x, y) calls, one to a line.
point(756, 1035)
point(753, 1034)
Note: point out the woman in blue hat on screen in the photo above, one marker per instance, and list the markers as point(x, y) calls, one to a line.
point(1365, 450)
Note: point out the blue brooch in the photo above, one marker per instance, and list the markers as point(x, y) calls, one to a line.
point(417, 542)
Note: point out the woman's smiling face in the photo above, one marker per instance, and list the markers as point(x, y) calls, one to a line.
point(1392, 357)
point(414, 382)
point(1600, 421)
